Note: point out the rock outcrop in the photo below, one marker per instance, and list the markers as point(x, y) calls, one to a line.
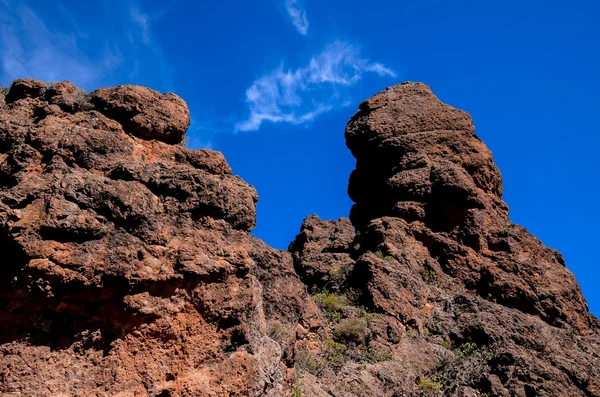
point(129, 270)
point(465, 302)
point(126, 265)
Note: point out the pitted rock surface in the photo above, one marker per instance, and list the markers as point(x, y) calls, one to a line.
point(145, 112)
point(129, 269)
point(460, 301)
point(126, 265)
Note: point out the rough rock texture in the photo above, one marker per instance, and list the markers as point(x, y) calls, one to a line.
point(25, 88)
point(129, 270)
point(126, 267)
point(465, 302)
point(321, 252)
point(144, 112)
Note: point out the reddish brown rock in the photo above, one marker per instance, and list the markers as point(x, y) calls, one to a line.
point(25, 88)
point(144, 112)
point(67, 96)
point(129, 270)
point(321, 252)
point(445, 296)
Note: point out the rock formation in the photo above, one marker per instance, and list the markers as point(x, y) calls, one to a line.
point(129, 269)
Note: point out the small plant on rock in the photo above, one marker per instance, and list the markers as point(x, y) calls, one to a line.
point(3, 91)
point(467, 350)
point(364, 313)
point(467, 365)
point(352, 330)
point(381, 255)
point(376, 355)
point(331, 303)
point(428, 275)
point(335, 353)
point(307, 361)
point(333, 356)
point(278, 331)
point(429, 384)
point(185, 141)
point(339, 274)
point(83, 103)
point(447, 344)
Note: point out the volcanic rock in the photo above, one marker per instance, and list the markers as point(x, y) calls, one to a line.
point(126, 265)
point(459, 301)
point(144, 112)
point(26, 88)
point(322, 251)
point(129, 269)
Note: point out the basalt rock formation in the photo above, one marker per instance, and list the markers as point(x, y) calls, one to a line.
point(129, 269)
point(126, 267)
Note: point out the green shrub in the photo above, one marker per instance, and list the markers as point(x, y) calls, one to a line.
point(467, 350)
point(428, 275)
point(339, 274)
point(3, 91)
point(429, 384)
point(335, 353)
point(426, 331)
point(82, 100)
point(353, 330)
point(364, 313)
point(306, 361)
point(380, 255)
point(466, 365)
point(331, 303)
point(333, 356)
point(296, 392)
point(447, 344)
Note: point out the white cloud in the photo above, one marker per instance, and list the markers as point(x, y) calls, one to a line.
point(143, 22)
point(299, 96)
point(380, 70)
point(297, 14)
point(29, 49)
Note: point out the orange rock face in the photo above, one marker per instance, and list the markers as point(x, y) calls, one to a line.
point(129, 270)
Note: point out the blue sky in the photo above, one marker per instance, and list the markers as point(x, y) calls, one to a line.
point(271, 84)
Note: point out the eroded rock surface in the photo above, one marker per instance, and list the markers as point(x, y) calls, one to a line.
point(144, 112)
point(129, 270)
point(126, 265)
point(459, 301)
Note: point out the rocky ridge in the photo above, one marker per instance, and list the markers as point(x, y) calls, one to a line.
point(129, 269)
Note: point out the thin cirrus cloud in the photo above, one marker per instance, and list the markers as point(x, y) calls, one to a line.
point(143, 22)
point(28, 48)
point(299, 96)
point(108, 50)
point(297, 14)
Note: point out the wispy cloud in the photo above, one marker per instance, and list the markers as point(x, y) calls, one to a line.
point(143, 22)
point(29, 49)
point(297, 13)
point(66, 43)
point(299, 96)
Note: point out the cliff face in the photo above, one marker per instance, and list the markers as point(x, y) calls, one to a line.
point(128, 269)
